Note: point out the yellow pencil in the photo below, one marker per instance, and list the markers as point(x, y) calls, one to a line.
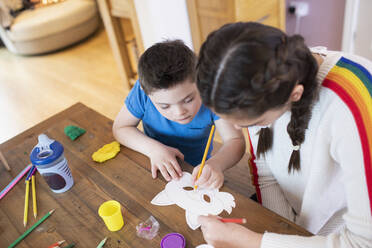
point(205, 154)
point(34, 196)
point(26, 203)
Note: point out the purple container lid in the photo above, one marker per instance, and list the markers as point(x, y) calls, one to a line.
point(173, 240)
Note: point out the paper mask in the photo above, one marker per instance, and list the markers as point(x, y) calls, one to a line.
point(195, 202)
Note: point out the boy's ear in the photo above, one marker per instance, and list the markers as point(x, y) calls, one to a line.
point(297, 92)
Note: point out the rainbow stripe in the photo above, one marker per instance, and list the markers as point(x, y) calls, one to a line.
point(353, 84)
point(253, 170)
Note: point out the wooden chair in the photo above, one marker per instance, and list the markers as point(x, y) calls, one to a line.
point(3, 160)
point(121, 23)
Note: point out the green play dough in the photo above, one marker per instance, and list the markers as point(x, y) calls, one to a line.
point(73, 132)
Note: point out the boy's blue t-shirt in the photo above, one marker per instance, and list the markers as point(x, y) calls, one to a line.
point(190, 138)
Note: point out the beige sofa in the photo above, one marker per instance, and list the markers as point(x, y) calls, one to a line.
point(51, 28)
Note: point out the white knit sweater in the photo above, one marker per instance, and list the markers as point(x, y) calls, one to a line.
point(329, 196)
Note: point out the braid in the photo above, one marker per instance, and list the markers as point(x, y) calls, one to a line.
point(301, 110)
point(265, 141)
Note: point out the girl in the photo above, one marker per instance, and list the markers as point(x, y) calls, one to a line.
point(309, 120)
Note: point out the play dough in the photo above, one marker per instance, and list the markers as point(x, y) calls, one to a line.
point(106, 152)
point(73, 132)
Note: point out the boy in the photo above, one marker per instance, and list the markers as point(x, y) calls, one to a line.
point(175, 122)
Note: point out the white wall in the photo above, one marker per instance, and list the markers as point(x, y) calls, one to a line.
point(163, 19)
point(363, 32)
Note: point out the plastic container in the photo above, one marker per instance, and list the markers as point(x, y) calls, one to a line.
point(110, 212)
point(49, 159)
point(173, 240)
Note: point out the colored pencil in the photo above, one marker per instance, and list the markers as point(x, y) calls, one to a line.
point(6, 165)
point(205, 154)
point(14, 181)
point(31, 172)
point(70, 246)
point(27, 193)
point(34, 207)
point(231, 220)
point(102, 243)
point(30, 229)
point(56, 244)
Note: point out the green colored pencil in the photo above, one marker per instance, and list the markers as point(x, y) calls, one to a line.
point(102, 243)
point(30, 229)
point(70, 246)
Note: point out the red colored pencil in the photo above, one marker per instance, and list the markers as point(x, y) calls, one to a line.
point(231, 220)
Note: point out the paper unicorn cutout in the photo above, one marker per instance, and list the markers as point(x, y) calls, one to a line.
point(195, 202)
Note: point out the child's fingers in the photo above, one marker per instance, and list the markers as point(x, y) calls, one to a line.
point(171, 171)
point(164, 172)
point(177, 167)
point(204, 177)
point(216, 184)
point(195, 173)
point(154, 171)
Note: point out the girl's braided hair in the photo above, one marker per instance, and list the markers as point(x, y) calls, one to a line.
point(251, 68)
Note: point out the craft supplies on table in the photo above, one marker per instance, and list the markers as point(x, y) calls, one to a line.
point(148, 229)
point(232, 220)
point(34, 205)
point(172, 240)
point(14, 181)
point(205, 154)
point(56, 244)
point(106, 152)
point(26, 203)
point(27, 195)
point(30, 229)
point(110, 212)
point(74, 132)
point(102, 243)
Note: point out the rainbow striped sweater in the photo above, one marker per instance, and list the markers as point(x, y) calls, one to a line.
point(332, 194)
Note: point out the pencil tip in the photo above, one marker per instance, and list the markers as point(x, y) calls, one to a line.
point(244, 220)
point(24, 224)
point(51, 211)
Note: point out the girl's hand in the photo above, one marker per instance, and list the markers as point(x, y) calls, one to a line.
point(211, 177)
point(219, 234)
point(164, 159)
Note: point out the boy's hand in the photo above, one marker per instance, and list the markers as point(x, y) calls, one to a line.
point(164, 159)
point(211, 177)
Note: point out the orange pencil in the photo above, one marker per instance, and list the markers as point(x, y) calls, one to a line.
point(231, 220)
point(205, 154)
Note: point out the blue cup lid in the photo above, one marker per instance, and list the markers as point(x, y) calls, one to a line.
point(46, 151)
point(173, 240)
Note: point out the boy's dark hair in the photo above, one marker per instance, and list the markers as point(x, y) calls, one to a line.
point(165, 65)
point(249, 68)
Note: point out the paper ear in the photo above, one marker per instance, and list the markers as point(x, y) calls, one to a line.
point(192, 220)
point(227, 200)
point(162, 199)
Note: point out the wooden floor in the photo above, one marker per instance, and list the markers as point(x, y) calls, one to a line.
point(37, 87)
point(33, 88)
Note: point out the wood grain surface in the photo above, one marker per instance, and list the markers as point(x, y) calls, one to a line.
point(126, 178)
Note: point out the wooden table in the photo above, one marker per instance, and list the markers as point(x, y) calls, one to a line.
point(126, 178)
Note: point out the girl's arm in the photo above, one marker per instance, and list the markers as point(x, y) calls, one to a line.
point(233, 147)
point(229, 154)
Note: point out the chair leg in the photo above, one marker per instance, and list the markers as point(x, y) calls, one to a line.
point(2, 158)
